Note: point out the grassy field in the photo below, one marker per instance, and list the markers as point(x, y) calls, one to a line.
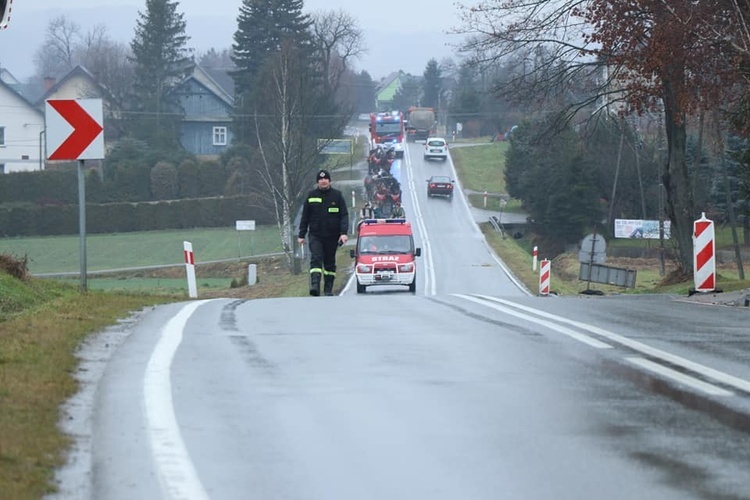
point(481, 168)
point(124, 250)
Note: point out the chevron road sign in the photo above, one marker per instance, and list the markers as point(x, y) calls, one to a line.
point(74, 129)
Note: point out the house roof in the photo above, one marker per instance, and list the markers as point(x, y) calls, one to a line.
point(20, 97)
point(76, 72)
point(223, 78)
point(203, 77)
point(30, 91)
point(388, 80)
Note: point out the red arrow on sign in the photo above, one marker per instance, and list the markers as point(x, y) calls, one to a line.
point(85, 129)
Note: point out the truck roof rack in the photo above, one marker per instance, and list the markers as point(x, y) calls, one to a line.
point(384, 221)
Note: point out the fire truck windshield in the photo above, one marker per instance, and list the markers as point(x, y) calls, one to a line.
point(388, 128)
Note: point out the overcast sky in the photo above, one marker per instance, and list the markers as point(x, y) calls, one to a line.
point(399, 34)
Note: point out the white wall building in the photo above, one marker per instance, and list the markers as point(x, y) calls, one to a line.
point(21, 132)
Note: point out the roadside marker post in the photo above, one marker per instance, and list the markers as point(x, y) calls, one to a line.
point(190, 268)
point(485, 199)
point(544, 277)
point(704, 255)
point(535, 258)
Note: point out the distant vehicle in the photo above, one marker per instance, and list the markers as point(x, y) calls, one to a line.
point(440, 185)
point(435, 147)
point(363, 117)
point(387, 130)
point(385, 254)
point(420, 123)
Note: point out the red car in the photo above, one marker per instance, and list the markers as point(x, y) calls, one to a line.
point(440, 185)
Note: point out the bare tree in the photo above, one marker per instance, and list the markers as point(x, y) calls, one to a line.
point(57, 56)
point(108, 61)
point(338, 40)
point(650, 55)
point(293, 113)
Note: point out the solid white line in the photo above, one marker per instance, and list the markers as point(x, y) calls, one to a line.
point(474, 224)
point(429, 265)
point(724, 378)
point(552, 326)
point(177, 475)
point(709, 389)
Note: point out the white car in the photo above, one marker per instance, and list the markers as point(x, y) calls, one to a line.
point(435, 147)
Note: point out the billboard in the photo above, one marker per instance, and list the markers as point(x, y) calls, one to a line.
point(336, 146)
point(641, 229)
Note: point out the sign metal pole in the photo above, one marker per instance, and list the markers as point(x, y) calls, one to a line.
point(82, 223)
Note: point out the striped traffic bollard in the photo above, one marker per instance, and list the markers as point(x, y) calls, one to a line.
point(544, 277)
point(704, 255)
point(190, 268)
point(534, 258)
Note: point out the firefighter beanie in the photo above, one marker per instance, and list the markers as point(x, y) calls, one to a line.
point(323, 174)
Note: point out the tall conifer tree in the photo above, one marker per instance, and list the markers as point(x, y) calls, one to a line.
point(161, 56)
point(262, 27)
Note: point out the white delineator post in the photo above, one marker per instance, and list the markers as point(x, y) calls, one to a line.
point(190, 268)
point(704, 255)
point(535, 257)
point(485, 199)
point(544, 277)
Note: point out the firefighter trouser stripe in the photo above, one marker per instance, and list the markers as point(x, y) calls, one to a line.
point(316, 270)
point(329, 273)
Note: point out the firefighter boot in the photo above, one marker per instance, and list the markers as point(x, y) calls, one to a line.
point(314, 284)
point(328, 285)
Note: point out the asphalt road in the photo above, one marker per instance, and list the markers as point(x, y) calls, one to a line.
point(469, 389)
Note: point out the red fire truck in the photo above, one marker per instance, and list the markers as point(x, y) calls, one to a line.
point(388, 130)
point(385, 254)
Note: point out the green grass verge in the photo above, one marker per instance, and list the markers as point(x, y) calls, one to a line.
point(481, 168)
point(37, 359)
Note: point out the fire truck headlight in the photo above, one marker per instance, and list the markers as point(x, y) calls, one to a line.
point(364, 268)
point(406, 268)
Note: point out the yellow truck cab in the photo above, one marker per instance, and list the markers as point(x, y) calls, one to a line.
point(385, 254)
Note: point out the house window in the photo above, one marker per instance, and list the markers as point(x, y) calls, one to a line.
point(220, 136)
point(2, 136)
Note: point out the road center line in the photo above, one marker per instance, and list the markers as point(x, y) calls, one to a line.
point(430, 285)
point(177, 474)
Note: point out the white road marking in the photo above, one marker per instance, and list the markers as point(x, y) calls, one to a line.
point(681, 378)
point(429, 265)
point(718, 376)
point(547, 324)
point(177, 475)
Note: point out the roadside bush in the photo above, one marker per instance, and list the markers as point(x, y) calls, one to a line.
point(18, 268)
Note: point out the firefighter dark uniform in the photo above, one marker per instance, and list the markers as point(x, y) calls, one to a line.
point(327, 218)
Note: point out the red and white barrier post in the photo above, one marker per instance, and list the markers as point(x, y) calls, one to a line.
point(544, 277)
point(534, 259)
point(190, 268)
point(704, 255)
